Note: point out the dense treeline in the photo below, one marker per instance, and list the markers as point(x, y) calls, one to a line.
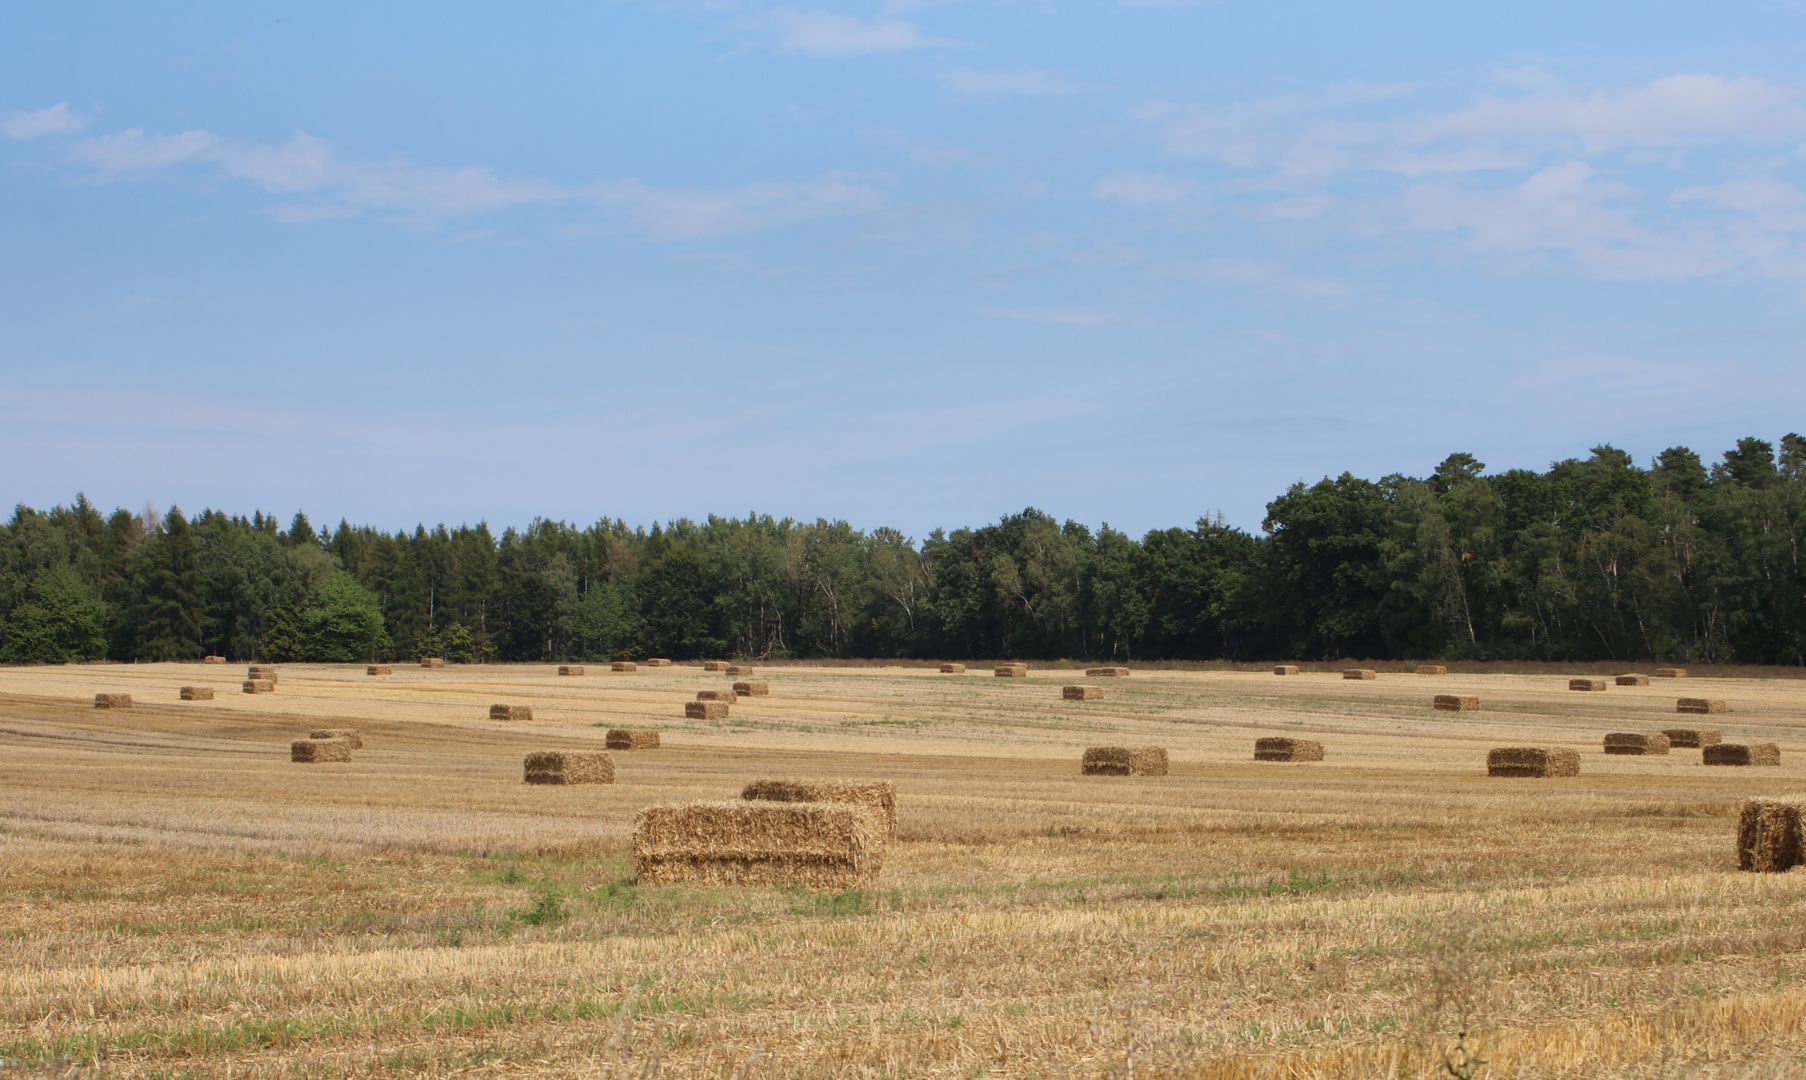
point(1595, 558)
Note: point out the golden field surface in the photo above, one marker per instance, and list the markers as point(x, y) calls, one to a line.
point(177, 898)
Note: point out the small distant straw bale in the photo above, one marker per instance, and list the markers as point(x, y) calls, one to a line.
point(1671, 673)
point(1727, 753)
point(1456, 703)
point(880, 795)
point(817, 845)
point(953, 669)
point(379, 669)
point(753, 688)
point(1432, 669)
point(1768, 835)
point(739, 669)
point(261, 671)
point(657, 661)
point(1636, 743)
point(1124, 761)
point(632, 739)
point(716, 695)
point(319, 750)
point(714, 665)
point(1532, 761)
point(259, 686)
point(570, 669)
point(1586, 684)
point(350, 735)
point(1082, 693)
point(625, 666)
point(1284, 749)
point(1285, 669)
point(1706, 706)
point(112, 701)
point(213, 659)
point(1632, 680)
point(1107, 673)
point(197, 693)
point(568, 767)
point(1693, 738)
point(1360, 673)
point(510, 712)
point(432, 661)
point(1010, 671)
point(705, 710)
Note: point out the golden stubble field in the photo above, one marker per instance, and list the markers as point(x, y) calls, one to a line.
point(177, 898)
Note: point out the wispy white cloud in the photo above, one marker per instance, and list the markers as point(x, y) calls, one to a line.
point(687, 213)
point(56, 120)
point(832, 33)
point(973, 83)
point(1146, 189)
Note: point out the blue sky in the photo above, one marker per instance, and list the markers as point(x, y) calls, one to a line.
point(914, 264)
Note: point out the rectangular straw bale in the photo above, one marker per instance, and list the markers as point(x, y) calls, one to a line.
point(1082, 693)
point(625, 666)
point(568, 767)
point(753, 688)
point(716, 695)
point(1532, 761)
point(432, 661)
point(739, 669)
point(1768, 835)
point(261, 671)
point(1360, 673)
point(1456, 703)
point(570, 669)
point(1124, 761)
point(213, 659)
point(1432, 669)
point(1705, 706)
point(510, 712)
point(879, 795)
point(1636, 743)
point(1693, 738)
point(112, 701)
point(816, 845)
point(953, 669)
point(1107, 673)
point(1671, 673)
point(705, 710)
point(259, 686)
point(1010, 671)
point(631, 739)
point(379, 669)
point(1285, 749)
point(657, 661)
point(714, 665)
point(350, 735)
point(1727, 753)
point(197, 693)
point(1586, 684)
point(319, 750)
point(1632, 680)
point(1285, 669)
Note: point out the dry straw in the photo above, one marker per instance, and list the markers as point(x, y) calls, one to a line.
point(112, 701)
point(510, 712)
point(1456, 703)
point(570, 669)
point(716, 695)
point(1286, 749)
point(1010, 671)
point(1360, 673)
point(1432, 669)
point(705, 710)
point(1693, 738)
point(1671, 673)
point(815, 845)
point(714, 665)
point(379, 669)
point(319, 750)
point(1636, 743)
point(953, 669)
point(259, 686)
point(431, 661)
point(1124, 761)
point(568, 767)
point(631, 739)
point(755, 688)
point(1768, 835)
point(627, 666)
point(261, 671)
point(1704, 706)
point(1082, 693)
point(350, 735)
point(1107, 673)
point(213, 659)
point(1726, 753)
point(1285, 669)
point(197, 693)
point(657, 661)
point(1586, 684)
point(1632, 680)
point(878, 795)
point(739, 669)
point(1532, 761)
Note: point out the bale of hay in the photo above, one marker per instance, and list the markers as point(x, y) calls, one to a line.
point(510, 712)
point(1082, 693)
point(631, 739)
point(1632, 680)
point(1704, 706)
point(739, 669)
point(817, 845)
point(1693, 738)
point(1768, 835)
point(432, 661)
point(716, 695)
point(953, 669)
point(1432, 669)
point(1456, 703)
point(570, 669)
point(714, 665)
point(261, 671)
point(197, 693)
point(1728, 753)
point(705, 710)
point(657, 661)
point(1532, 761)
point(1285, 669)
point(1107, 673)
point(1586, 684)
point(1124, 761)
point(1287, 749)
point(319, 750)
point(1010, 671)
point(879, 795)
point(350, 735)
point(568, 767)
point(112, 701)
point(213, 659)
point(259, 686)
point(625, 666)
point(1360, 673)
point(1636, 743)
point(379, 669)
point(1671, 673)
point(755, 688)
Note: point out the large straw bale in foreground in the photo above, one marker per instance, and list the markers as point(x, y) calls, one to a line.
point(714, 665)
point(350, 735)
point(879, 795)
point(1285, 669)
point(1703, 706)
point(196, 693)
point(1632, 680)
point(705, 710)
point(631, 739)
point(379, 669)
point(1456, 703)
point(1533, 761)
point(1636, 743)
point(112, 701)
point(1360, 673)
point(1727, 753)
point(657, 661)
point(752, 688)
point(1432, 669)
point(259, 686)
point(1671, 673)
point(1693, 738)
point(816, 845)
point(510, 712)
point(1287, 749)
point(570, 669)
point(1586, 684)
point(1082, 693)
point(1768, 835)
point(717, 695)
point(1124, 761)
point(1107, 673)
point(1010, 671)
point(311, 750)
point(953, 669)
point(568, 767)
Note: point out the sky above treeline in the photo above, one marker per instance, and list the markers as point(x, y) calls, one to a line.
point(908, 264)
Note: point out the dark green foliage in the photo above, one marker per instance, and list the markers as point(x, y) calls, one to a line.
point(168, 572)
point(59, 620)
point(343, 621)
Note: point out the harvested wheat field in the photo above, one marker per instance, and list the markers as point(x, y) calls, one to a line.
point(182, 900)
